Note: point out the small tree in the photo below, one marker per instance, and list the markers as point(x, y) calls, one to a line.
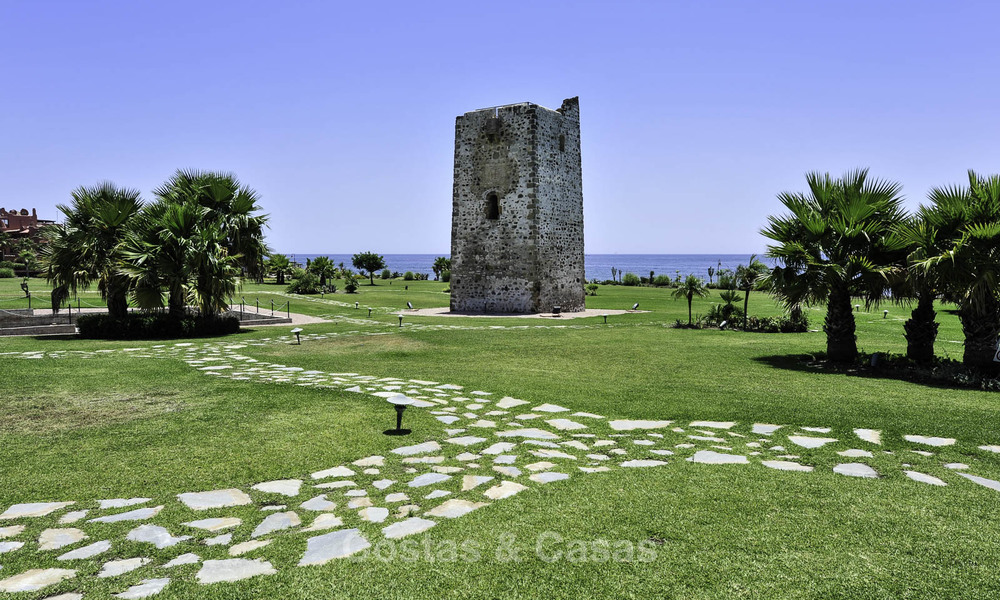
point(323, 268)
point(689, 288)
point(368, 263)
point(711, 272)
point(350, 283)
point(280, 266)
point(441, 264)
point(747, 277)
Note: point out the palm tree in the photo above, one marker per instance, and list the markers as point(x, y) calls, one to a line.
point(968, 268)
point(441, 264)
point(689, 288)
point(324, 268)
point(280, 266)
point(747, 277)
point(711, 272)
point(833, 245)
point(88, 246)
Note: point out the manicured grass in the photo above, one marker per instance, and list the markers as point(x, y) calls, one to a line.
point(117, 426)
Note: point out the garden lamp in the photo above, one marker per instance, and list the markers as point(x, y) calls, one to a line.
point(297, 331)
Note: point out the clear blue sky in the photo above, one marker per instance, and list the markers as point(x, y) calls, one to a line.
point(341, 114)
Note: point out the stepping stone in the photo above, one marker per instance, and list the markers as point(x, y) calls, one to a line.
point(817, 429)
point(114, 568)
point(467, 456)
point(156, 535)
point(565, 424)
point(602, 443)
point(550, 408)
point(184, 559)
point(505, 459)
point(629, 425)
point(6, 547)
point(995, 449)
point(643, 442)
point(548, 477)
point(855, 453)
point(530, 433)
point(87, 551)
point(594, 469)
point(484, 424)
point(233, 569)
point(374, 514)
point(924, 478)
point(504, 490)
point(122, 502)
point(662, 452)
point(588, 415)
point(706, 438)
point(448, 419)
point(6, 532)
point(381, 484)
point(527, 417)
point(356, 493)
point(274, 507)
point(425, 448)
point(219, 540)
point(437, 494)
point(993, 485)
point(338, 544)
point(452, 509)
point(335, 485)
point(598, 457)
point(144, 589)
point(359, 503)
point(53, 539)
point(397, 497)
point(214, 524)
point(929, 441)
point(470, 482)
point(214, 499)
point(509, 402)
point(423, 460)
point(786, 465)
point(872, 436)
point(319, 504)
point(575, 444)
point(956, 466)
point(325, 521)
point(33, 509)
point(334, 472)
point(552, 454)
point(276, 522)
point(72, 517)
point(371, 461)
point(713, 424)
point(428, 479)
point(499, 448)
point(922, 452)
point(246, 547)
point(35, 579)
point(468, 440)
point(710, 457)
point(285, 487)
point(508, 471)
point(410, 526)
point(70, 596)
point(855, 470)
point(538, 466)
point(764, 428)
point(643, 463)
point(810, 442)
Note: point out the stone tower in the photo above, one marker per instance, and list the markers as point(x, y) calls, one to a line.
point(517, 210)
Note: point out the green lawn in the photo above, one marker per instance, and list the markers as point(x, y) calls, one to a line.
point(117, 425)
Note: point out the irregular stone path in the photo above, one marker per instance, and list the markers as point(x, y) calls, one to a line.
point(487, 450)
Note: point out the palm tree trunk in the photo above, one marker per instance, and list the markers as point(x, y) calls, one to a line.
point(746, 307)
point(921, 330)
point(841, 343)
point(117, 304)
point(690, 297)
point(981, 328)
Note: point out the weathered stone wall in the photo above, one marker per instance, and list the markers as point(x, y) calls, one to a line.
point(525, 253)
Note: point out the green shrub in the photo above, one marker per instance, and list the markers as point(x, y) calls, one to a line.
point(351, 285)
point(662, 281)
point(592, 289)
point(6, 273)
point(446, 276)
point(631, 279)
point(305, 283)
point(386, 274)
point(137, 326)
point(408, 276)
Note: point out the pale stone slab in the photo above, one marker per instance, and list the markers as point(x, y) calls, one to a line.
point(470, 482)
point(662, 452)
point(214, 499)
point(508, 471)
point(423, 460)
point(505, 489)
point(87, 551)
point(786, 465)
point(325, 521)
point(764, 428)
point(6, 547)
point(995, 449)
point(810, 442)
point(122, 502)
point(145, 589)
point(425, 448)
point(374, 514)
point(924, 478)
point(70, 596)
point(484, 424)
point(397, 497)
point(575, 444)
point(505, 459)
point(509, 402)
point(410, 526)
point(817, 429)
point(371, 461)
point(53, 539)
point(855, 470)
point(922, 452)
point(184, 559)
point(233, 569)
point(217, 524)
point(956, 466)
point(219, 540)
point(35, 579)
point(285, 487)
point(588, 415)
point(452, 509)
point(331, 485)
point(530, 433)
point(929, 441)
point(855, 453)
point(499, 448)
point(274, 507)
point(706, 438)
point(247, 547)
point(72, 517)
point(713, 424)
point(547, 453)
point(334, 472)
point(469, 440)
point(548, 477)
point(381, 484)
point(872, 436)
point(437, 494)
point(276, 522)
point(156, 535)
point(338, 544)
point(710, 457)
point(467, 456)
point(631, 424)
point(428, 479)
point(140, 514)
point(550, 408)
point(643, 463)
point(6, 532)
point(594, 469)
point(565, 424)
point(319, 504)
point(993, 485)
point(33, 509)
point(114, 568)
point(538, 466)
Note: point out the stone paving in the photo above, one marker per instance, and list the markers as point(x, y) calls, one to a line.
point(489, 448)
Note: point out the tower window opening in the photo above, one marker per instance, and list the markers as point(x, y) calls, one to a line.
point(562, 143)
point(492, 206)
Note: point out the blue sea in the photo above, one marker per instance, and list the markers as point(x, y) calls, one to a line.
point(598, 266)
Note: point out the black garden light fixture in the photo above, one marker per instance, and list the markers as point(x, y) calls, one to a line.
point(605, 319)
point(399, 402)
point(369, 312)
point(400, 315)
point(297, 331)
point(356, 305)
point(635, 306)
point(885, 314)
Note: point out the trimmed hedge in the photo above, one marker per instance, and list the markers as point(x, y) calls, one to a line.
point(6, 273)
point(137, 326)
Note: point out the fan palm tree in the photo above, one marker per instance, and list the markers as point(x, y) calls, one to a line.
point(747, 277)
point(89, 245)
point(834, 244)
point(324, 268)
point(689, 288)
point(968, 268)
point(280, 266)
point(441, 264)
